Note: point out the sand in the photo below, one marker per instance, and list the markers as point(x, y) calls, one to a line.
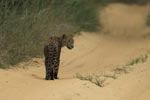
point(93, 53)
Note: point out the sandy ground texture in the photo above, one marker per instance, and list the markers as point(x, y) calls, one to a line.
point(93, 53)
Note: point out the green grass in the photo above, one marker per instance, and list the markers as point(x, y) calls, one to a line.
point(128, 67)
point(105, 2)
point(132, 1)
point(147, 21)
point(25, 25)
point(138, 60)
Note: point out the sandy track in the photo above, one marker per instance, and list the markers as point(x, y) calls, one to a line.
point(29, 84)
point(93, 53)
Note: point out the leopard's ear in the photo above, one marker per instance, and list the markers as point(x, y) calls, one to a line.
point(64, 36)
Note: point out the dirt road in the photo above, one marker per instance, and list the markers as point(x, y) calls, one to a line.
point(93, 53)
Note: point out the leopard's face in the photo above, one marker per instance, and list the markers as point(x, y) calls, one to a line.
point(68, 41)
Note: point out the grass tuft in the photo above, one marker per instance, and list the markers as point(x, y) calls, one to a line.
point(138, 60)
point(102, 78)
point(96, 79)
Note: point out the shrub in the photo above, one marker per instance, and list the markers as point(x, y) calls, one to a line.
point(123, 1)
point(133, 1)
point(78, 12)
point(26, 24)
point(148, 19)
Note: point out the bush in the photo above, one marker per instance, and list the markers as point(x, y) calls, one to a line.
point(77, 12)
point(148, 19)
point(133, 1)
point(26, 24)
point(123, 1)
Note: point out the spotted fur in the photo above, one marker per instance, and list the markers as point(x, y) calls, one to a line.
point(52, 53)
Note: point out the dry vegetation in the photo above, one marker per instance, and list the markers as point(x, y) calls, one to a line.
point(101, 78)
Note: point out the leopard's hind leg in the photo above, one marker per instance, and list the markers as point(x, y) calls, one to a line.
point(56, 68)
point(49, 72)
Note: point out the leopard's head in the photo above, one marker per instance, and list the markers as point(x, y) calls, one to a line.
point(68, 41)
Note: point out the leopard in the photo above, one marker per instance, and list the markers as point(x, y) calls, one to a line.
point(52, 52)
